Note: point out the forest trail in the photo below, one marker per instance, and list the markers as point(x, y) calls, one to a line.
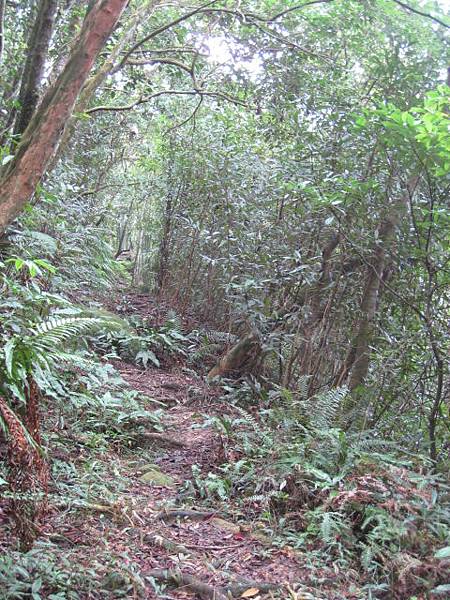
point(209, 552)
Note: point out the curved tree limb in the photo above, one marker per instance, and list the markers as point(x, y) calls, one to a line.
point(144, 99)
point(416, 11)
point(161, 29)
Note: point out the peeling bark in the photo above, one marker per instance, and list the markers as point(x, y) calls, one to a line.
point(41, 138)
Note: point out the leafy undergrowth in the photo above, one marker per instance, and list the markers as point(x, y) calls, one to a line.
point(152, 468)
point(352, 502)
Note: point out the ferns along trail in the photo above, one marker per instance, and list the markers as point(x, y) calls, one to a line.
point(225, 300)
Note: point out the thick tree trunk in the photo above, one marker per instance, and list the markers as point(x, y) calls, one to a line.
point(42, 136)
point(33, 73)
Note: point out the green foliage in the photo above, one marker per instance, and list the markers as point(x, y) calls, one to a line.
point(268, 216)
point(41, 573)
point(354, 492)
point(142, 344)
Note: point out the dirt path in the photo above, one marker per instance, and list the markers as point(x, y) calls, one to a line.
point(158, 531)
point(213, 546)
point(219, 552)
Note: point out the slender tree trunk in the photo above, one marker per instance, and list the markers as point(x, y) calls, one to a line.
point(164, 247)
point(37, 52)
point(123, 232)
point(96, 80)
point(439, 394)
point(2, 28)
point(41, 138)
point(357, 363)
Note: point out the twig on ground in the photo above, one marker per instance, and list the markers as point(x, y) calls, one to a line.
point(195, 515)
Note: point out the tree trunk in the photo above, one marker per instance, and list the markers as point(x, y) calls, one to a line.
point(243, 355)
point(2, 28)
point(164, 246)
point(33, 73)
point(357, 362)
point(42, 136)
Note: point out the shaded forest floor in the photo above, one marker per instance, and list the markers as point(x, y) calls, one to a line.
point(156, 519)
point(157, 524)
point(158, 535)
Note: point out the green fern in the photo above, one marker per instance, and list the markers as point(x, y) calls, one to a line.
point(324, 409)
point(212, 344)
point(44, 346)
point(56, 331)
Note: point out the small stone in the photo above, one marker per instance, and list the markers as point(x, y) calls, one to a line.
point(156, 477)
point(114, 581)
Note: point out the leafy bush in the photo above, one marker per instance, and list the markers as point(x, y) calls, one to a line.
point(143, 344)
point(368, 504)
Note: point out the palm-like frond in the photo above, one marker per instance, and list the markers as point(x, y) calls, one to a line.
point(324, 409)
point(57, 331)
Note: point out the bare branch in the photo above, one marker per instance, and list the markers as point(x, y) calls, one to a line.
point(181, 49)
point(421, 13)
point(163, 61)
point(145, 99)
point(191, 117)
point(292, 44)
point(161, 29)
point(299, 7)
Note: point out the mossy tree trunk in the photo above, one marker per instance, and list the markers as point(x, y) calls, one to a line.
point(33, 73)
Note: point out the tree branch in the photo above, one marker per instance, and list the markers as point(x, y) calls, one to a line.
point(161, 61)
point(421, 13)
point(299, 7)
point(161, 29)
point(191, 117)
point(291, 44)
point(144, 99)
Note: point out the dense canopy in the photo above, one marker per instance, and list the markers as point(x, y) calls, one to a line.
point(225, 276)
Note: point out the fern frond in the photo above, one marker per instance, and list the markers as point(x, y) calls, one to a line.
point(324, 409)
point(58, 330)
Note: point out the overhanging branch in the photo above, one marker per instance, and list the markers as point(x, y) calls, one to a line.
point(145, 99)
point(416, 11)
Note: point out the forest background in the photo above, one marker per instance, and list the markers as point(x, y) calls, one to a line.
point(270, 172)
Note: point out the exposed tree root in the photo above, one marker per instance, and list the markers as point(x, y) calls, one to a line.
point(205, 590)
point(194, 515)
point(192, 584)
point(169, 545)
